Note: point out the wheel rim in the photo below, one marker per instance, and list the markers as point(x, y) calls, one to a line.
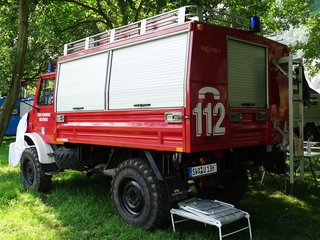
point(29, 172)
point(131, 197)
point(310, 135)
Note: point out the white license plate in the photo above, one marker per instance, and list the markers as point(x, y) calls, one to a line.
point(202, 170)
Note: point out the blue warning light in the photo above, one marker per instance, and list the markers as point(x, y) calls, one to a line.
point(255, 24)
point(50, 67)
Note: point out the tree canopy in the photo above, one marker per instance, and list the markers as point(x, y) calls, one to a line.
point(54, 23)
point(311, 47)
point(20, 48)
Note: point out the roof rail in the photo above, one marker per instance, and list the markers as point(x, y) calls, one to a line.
point(156, 23)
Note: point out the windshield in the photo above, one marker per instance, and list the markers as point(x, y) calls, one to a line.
point(46, 92)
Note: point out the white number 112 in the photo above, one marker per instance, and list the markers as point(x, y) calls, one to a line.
point(208, 112)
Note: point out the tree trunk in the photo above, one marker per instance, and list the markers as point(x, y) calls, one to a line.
point(8, 106)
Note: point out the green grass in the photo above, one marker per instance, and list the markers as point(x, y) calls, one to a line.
point(80, 208)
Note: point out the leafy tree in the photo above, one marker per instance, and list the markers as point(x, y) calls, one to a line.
point(22, 38)
point(8, 23)
point(53, 23)
point(311, 48)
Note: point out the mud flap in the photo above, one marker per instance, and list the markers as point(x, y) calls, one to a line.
point(176, 189)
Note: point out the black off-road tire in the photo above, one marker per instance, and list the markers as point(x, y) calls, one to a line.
point(138, 197)
point(66, 157)
point(310, 133)
point(231, 188)
point(30, 169)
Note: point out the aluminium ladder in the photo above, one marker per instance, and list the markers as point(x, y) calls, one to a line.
point(295, 96)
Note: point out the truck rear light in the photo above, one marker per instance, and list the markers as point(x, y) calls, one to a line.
point(173, 117)
point(207, 160)
point(60, 118)
point(236, 116)
point(203, 160)
point(200, 27)
point(218, 154)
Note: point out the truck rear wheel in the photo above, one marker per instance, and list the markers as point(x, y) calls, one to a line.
point(31, 175)
point(139, 198)
point(309, 133)
point(229, 187)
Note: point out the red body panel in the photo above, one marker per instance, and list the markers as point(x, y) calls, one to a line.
point(208, 68)
point(137, 129)
point(206, 99)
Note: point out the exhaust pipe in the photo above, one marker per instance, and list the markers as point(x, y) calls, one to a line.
point(94, 170)
point(100, 169)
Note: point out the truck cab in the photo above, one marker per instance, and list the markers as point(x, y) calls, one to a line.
point(42, 117)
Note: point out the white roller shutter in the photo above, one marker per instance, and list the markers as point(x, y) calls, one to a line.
point(81, 84)
point(246, 75)
point(150, 74)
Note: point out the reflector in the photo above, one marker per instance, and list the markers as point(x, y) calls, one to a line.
point(200, 27)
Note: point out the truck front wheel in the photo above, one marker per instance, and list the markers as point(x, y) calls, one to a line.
point(30, 169)
point(139, 198)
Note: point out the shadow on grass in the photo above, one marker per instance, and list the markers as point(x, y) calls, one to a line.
point(284, 216)
point(82, 203)
point(79, 207)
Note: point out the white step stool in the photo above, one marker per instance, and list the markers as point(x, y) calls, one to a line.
point(211, 212)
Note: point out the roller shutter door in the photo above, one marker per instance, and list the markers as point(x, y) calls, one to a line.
point(246, 75)
point(82, 83)
point(150, 74)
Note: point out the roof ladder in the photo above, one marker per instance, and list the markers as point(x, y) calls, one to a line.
point(295, 96)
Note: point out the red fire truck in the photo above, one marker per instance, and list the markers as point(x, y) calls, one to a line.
point(170, 106)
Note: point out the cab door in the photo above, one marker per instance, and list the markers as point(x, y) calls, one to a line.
point(44, 118)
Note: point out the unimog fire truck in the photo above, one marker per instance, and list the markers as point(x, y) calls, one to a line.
point(174, 105)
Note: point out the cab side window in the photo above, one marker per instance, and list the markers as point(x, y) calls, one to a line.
point(46, 92)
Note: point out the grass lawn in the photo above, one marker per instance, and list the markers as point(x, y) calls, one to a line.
point(79, 207)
